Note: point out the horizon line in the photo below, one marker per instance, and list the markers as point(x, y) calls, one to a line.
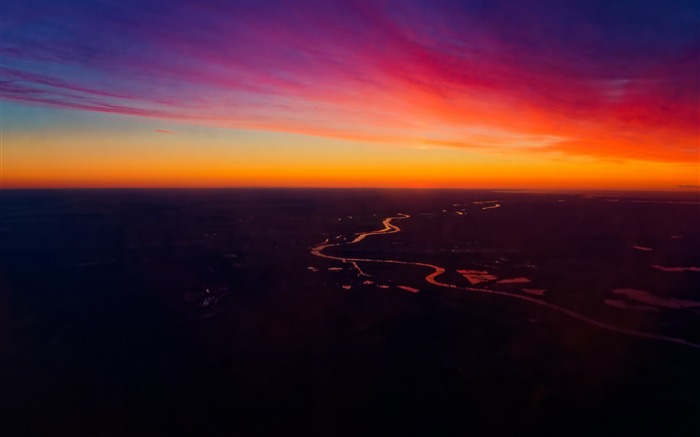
point(685, 190)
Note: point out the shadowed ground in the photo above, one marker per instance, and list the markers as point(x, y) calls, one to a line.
point(104, 330)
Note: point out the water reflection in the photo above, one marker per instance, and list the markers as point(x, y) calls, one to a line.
point(477, 276)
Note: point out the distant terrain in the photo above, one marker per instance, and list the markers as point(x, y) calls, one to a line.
point(348, 312)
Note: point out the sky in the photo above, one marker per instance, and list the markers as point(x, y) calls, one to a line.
point(519, 94)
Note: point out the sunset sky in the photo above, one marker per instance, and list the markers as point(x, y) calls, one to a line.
point(405, 93)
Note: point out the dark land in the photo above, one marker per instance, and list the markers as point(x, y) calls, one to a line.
point(195, 312)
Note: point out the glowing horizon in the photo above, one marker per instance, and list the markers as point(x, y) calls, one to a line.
point(504, 95)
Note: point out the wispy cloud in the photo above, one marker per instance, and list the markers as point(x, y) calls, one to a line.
point(584, 78)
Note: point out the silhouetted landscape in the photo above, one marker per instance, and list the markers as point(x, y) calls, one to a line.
point(327, 312)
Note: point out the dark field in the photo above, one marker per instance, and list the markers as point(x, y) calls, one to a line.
point(204, 312)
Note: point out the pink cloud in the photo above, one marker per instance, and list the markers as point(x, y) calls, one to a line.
point(374, 72)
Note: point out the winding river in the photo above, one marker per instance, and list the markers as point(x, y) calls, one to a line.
point(436, 271)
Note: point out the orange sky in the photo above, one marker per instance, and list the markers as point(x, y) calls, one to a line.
point(136, 155)
point(553, 95)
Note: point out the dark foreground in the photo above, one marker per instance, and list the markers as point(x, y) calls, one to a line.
point(204, 312)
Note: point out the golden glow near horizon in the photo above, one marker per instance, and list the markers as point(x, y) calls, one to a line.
point(536, 94)
point(142, 157)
